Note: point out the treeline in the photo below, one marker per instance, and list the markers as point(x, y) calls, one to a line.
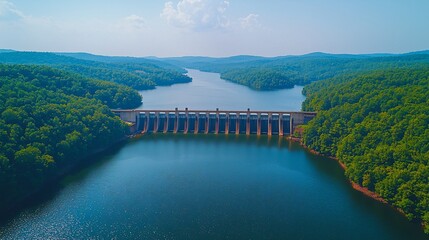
point(48, 120)
point(285, 73)
point(153, 61)
point(140, 76)
point(161, 77)
point(377, 124)
point(113, 75)
point(260, 78)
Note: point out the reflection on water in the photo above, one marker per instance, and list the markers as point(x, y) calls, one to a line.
point(166, 186)
point(207, 91)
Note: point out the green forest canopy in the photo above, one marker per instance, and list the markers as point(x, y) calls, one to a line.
point(139, 75)
point(49, 119)
point(285, 72)
point(377, 124)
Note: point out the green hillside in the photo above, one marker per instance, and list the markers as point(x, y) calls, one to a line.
point(285, 72)
point(138, 75)
point(50, 119)
point(377, 124)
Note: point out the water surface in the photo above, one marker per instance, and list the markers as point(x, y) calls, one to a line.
point(208, 91)
point(176, 186)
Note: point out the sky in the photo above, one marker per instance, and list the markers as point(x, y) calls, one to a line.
point(167, 28)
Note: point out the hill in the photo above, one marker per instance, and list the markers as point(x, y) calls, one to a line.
point(51, 119)
point(377, 125)
point(140, 76)
point(286, 71)
point(133, 60)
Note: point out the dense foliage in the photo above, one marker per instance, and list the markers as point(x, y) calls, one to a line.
point(377, 124)
point(285, 72)
point(140, 75)
point(304, 70)
point(160, 77)
point(260, 78)
point(50, 119)
point(113, 75)
point(153, 61)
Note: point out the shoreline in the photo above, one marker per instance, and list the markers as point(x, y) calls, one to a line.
point(354, 185)
point(16, 206)
point(365, 191)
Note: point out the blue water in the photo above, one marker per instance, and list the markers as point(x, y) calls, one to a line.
point(207, 91)
point(176, 186)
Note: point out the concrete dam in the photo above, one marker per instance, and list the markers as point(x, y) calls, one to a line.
point(215, 121)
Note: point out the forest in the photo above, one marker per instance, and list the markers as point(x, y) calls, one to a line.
point(305, 70)
point(377, 124)
point(140, 75)
point(50, 119)
point(373, 113)
point(260, 78)
point(287, 71)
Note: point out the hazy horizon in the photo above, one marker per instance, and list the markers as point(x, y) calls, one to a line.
point(215, 28)
point(226, 56)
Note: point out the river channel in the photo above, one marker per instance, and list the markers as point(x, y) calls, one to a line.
point(176, 186)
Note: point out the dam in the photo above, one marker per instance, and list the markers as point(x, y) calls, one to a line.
point(217, 121)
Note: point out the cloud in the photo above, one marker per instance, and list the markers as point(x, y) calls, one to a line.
point(250, 22)
point(8, 12)
point(135, 22)
point(199, 15)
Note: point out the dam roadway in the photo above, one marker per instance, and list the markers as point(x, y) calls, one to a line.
point(214, 121)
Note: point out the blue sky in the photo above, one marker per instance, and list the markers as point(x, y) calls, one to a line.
point(215, 27)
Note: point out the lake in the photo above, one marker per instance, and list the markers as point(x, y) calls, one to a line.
point(176, 186)
point(208, 92)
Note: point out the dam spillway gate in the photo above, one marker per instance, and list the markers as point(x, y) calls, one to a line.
point(216, 121)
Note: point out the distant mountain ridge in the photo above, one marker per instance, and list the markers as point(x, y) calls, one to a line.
point(248, 58)
point(161, 61)
point(137, 73)
point(260, 73)
point(6, 50)
point(120, 59)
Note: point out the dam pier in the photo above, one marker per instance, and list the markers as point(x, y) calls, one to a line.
point(214, 121)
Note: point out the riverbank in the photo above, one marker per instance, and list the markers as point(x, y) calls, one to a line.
point(355, 185)
point(367, 192)
point(8, 209)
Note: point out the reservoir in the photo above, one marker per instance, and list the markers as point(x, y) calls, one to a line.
point(208, 92)
point(207, 186)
